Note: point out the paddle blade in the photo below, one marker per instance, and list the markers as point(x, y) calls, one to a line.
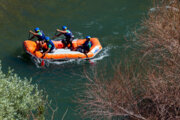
point(42, 63)
point(91, 62)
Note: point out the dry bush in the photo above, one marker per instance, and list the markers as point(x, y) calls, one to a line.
point(161, 50)
point(161, 34)
point(163, 89)
point(131, 95)
point(136, 93)
point(107, 98)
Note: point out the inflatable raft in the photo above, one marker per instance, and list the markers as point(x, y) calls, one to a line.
point(61, 53)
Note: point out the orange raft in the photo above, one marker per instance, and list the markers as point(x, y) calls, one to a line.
point(63, 54)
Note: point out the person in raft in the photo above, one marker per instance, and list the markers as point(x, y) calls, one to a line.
point(68, 36)
point(40, 35)
point(50, 46)
point(86, 46)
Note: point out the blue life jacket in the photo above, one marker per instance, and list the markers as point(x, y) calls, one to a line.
point(68, 34)
point(50, 43)
point(41, 37)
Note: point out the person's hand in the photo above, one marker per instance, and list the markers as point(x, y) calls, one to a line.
point(43, 54)
point(58, 30)
point(30, 31)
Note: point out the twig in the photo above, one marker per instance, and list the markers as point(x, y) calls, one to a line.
point(53, 111)
point(64, 114)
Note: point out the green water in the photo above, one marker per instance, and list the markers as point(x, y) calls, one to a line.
point(109, 20)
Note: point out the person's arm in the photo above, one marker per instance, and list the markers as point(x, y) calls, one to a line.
point(35, 34)
point(46, 51)
point(61, 31)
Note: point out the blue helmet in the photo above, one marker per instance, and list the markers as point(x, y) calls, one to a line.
point(88, 37)
point(47, 38)
point(64, 27)
point(37, 29)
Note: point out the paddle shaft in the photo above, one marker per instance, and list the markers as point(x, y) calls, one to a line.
point(88, 57)
point(29, 36)
point(55, 32)
point(54, 35)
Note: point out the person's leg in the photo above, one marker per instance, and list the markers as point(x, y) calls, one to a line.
point(52, 51)
point(86, 50)
point(65, 43)
point(71, 42)
point(80, 49)
point(68, 39)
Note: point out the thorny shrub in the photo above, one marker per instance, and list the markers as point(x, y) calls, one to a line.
point(134, 93)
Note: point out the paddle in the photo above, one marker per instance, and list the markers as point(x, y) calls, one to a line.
point(86, 53)
point(42, 61)
point(29, 36)
point(92, 63)
point(54, 35)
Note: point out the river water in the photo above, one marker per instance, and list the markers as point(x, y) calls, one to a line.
point(109, 20)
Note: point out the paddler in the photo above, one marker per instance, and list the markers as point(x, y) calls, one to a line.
point(86, 46)
point(68, 36)
point(50, 46)
point(40, 35)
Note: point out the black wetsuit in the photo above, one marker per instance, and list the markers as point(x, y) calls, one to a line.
point(85, 47)
point(69, 38)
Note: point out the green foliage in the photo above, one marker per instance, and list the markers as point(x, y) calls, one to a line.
point(18, 97)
